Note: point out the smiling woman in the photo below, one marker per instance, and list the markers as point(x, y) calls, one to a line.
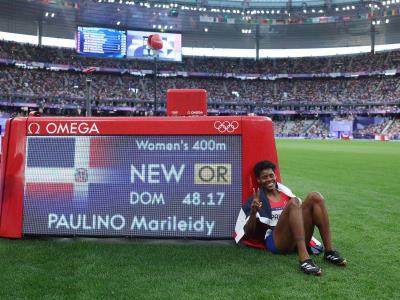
point(285, 223)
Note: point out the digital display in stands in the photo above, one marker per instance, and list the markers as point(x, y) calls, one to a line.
point(102, 42)
point(137, 45)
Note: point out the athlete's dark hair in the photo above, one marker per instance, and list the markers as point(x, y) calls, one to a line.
point(262, 165)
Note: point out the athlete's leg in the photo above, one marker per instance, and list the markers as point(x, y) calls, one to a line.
point(289, 231)
point(315, 214)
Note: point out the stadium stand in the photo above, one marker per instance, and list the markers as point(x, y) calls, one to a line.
point(348, 63)
point(50, 80)
point(394, 129)
point(370, 130)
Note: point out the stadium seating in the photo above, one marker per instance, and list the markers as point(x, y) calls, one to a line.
point(117, 87)
point(348, 63)
point(25, 86)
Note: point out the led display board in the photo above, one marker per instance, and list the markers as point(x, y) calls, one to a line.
point(137, 45)
point(170, 186)
point(102, 42)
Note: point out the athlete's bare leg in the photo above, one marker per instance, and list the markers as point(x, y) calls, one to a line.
point(289, 231)
point(315, 214)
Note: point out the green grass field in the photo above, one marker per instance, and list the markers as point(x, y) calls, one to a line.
point(361, 183)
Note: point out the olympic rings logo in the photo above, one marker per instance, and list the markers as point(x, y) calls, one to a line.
point(226, 126)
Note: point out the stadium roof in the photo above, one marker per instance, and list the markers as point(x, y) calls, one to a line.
point(337, 23)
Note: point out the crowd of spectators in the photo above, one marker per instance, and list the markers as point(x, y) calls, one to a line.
point(394, 130)
point(371, 130)
point(316, 128)
point(113, 91)
point(39, 83)
point(350, 63)
point(293, 128)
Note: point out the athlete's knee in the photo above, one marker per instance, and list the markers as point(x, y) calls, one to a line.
point(316, 197)
point(294, 202)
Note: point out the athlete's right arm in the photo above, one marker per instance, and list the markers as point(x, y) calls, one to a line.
point(250, 227)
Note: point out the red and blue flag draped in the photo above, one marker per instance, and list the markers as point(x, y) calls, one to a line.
point(264, 215)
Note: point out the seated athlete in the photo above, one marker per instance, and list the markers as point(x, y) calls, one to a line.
point(285, 224)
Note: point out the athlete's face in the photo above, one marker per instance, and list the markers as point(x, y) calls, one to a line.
point(267, 179)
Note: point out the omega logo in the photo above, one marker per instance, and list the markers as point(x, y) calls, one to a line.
point(34, 128)
point(65, 128)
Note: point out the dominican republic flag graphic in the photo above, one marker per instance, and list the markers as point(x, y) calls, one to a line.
point(70, 175)
point(59, 168)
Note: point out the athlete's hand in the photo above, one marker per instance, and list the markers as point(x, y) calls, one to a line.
point(256, 204)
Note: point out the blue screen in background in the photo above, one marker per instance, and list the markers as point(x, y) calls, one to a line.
point(156, 186)
point(101, 42)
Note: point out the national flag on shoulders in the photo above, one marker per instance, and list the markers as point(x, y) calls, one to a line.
point(264, 215)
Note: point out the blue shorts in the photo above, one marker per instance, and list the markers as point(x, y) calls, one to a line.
point(270, 244)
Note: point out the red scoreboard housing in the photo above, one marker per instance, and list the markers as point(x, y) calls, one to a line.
point(32, 140)
point(186, 102)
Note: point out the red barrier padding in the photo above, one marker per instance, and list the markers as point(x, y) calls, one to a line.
point(12, 178)
point(256, 137)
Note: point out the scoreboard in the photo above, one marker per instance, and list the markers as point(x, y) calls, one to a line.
point(103, 42)
point(180, 177)
point(132, 185)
